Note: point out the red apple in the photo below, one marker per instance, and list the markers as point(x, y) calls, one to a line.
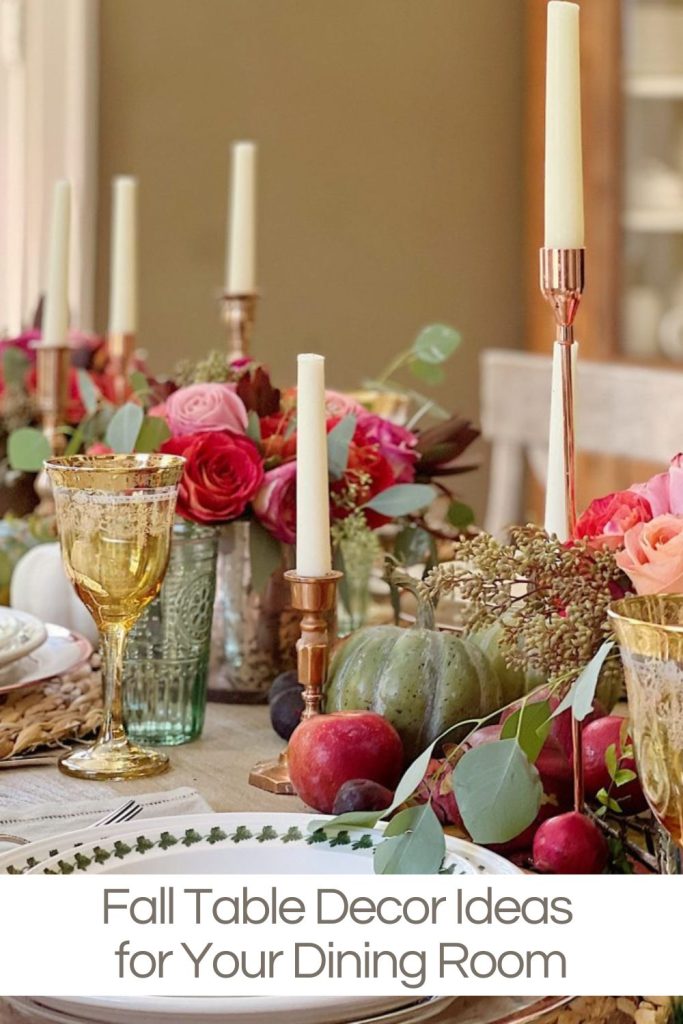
point(597, 737)
point(326, 751)
point(570, 844)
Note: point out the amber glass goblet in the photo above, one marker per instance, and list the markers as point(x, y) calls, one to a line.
point(114, 517)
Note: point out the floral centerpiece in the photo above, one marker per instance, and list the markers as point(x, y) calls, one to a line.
point(508, 779)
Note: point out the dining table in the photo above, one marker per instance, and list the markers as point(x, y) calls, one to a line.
point(217, 765)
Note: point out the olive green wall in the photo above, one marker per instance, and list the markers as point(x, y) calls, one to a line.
point(390, 173)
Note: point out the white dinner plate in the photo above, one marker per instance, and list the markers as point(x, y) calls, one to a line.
point(62, 652)
point(20, 633)
point(234, 843)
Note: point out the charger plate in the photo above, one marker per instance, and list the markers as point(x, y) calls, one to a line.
point(469, 1010)
point(232, 843)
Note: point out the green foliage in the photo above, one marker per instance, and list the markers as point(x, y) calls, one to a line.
point(338, 442)
point(582, 692)
point(530, 726)
point(498, 790)
point(254, 427)
point(414, 844)
point(402, 499)
point(15, 363)
point(435, 344)
point(460, 515)
point(27, 449)
point(153, 432)
point(124, 427)
point(89, 394)
point(265, 553)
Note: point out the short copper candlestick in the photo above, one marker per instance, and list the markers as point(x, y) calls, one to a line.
point(238, 313)
point(315, 597)
point(120, 351)
point(53, 366)
point(562, 283)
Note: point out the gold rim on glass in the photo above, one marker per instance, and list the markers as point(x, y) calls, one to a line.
point(114, 517)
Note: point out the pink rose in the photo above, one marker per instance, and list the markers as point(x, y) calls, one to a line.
point(396, 444)
point(99, 448)
point(201, 407)
point(275, 503)
point(665, 490)
point(653, 556)
point(607, 519)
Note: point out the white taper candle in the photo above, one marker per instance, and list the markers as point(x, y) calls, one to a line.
point(241, 255)
point(563, 156)
point(556, 511)
point(123, 293)
point(56, 316)
point(313, 554)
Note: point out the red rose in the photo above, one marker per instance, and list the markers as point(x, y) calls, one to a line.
point(223, 472)
point(607, 519)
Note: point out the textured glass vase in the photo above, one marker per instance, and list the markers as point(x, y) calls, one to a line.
point(254, 629)
point(167, 659)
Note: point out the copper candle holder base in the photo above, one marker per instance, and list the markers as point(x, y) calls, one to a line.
point(53, 366)
point(120, 351)
point(562, 283)
point(238, 313)
point(315, 597)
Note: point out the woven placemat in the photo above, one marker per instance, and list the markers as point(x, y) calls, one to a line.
point(51, 714)
point(614, 1010)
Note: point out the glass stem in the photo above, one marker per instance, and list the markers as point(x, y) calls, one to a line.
point(113, 646)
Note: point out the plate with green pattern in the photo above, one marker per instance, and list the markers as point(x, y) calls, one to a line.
point(231, 843)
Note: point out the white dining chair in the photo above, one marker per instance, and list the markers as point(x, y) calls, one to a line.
point(621, 410)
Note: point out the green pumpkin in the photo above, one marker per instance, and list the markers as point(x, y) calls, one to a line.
point(421, 680)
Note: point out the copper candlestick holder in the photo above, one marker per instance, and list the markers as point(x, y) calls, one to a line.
point(562, 283)
point(120, 351)
point(53, 366)
point(238, 313)
point(315, 597)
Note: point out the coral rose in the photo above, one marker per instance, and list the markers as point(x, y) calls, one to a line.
point(275, 503)
point(653, 556)
point(607, 519)
point(200, 407)
point(223, 472)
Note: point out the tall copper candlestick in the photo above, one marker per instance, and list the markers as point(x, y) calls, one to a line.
point(53, 365)
point(562, 283)
point(238, 313)
point(315, 597)
point(120, 351)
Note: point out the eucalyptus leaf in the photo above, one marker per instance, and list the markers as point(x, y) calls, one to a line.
point(411, 545)
point(582, 692)
point(139, 383)
point(430, 373)
point(338, 441)
point(153, 432)
point(265, 553)
point(15, 363)
point(436, 343)
point(530, 726)
point(460, 515)
point(402, 499)
point(414, 844)
point(498, 791)
point(124, 427)
point(88, 392)
point(75, 441)
point(254, 427)
point(27, 449)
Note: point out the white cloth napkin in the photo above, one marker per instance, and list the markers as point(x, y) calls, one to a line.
point(61, 811)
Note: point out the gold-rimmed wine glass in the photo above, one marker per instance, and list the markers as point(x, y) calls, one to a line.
point(114, 517)
point(649, 630)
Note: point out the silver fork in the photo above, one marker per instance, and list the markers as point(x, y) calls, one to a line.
point(126, 812)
